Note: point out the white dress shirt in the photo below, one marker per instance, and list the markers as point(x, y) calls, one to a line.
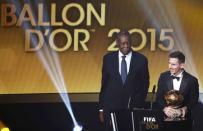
point(176, 83)
point(127, 59)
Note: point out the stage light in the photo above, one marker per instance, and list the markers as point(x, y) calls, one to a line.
point(3, 127)
point(77, 128)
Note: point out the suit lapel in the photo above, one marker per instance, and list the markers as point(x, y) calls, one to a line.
point(183, 82)
point(131, 68)
point(132, 64)
point(115, 62)
point(169, 82)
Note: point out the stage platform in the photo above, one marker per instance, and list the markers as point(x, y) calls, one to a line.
point(46, 112)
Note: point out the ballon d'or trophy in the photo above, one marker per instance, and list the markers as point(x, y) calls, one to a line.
point(174, 99)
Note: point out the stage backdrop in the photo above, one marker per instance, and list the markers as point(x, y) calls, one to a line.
point(81, 32)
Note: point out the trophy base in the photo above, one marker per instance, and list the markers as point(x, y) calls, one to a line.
point(175, 119)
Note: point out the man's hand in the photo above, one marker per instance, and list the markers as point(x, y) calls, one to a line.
point(101, 116)
point(172, 113)
point(168, 111)
point(183, 111)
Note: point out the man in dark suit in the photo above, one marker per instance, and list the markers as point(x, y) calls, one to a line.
point(125, 79)
point(177, 79)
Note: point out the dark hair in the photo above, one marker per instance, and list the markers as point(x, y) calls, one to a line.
point(124, 33)
point(179, 55)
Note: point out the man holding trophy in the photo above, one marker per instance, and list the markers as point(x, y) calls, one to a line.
point(178, 91)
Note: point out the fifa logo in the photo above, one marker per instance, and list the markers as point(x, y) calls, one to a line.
point(149, 119)
point(150, 123)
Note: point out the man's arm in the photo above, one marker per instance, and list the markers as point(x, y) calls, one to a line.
point(194, 94)
point(102, 91)
point(145, 79)
point(144, 85)
point(160, 101)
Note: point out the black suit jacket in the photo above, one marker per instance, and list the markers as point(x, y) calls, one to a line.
point(116, 95)
point(189, 88)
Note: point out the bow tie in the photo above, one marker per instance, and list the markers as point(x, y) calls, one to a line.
point(175, 77)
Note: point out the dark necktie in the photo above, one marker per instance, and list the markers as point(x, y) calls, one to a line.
point(175, 77)
point(123, 69)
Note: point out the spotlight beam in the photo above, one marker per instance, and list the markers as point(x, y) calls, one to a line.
point(51, 63)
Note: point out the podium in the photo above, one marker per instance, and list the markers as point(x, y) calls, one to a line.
point(137, 120)
point(146, 120)
point(183, 125)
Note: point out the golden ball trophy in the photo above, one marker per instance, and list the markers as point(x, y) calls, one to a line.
point(174, 99)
